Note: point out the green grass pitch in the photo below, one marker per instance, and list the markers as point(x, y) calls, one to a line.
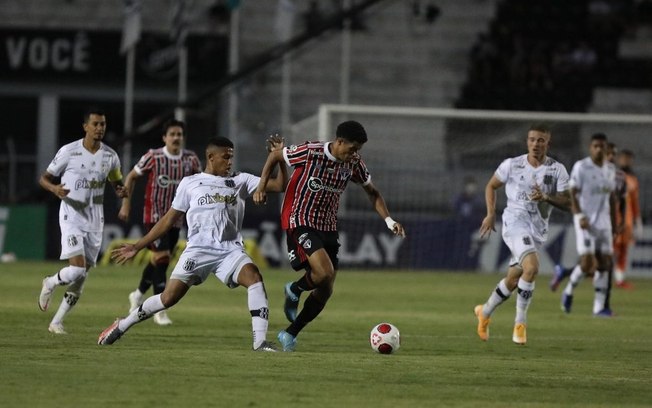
point(205, 359)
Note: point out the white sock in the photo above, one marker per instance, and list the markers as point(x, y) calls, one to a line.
point(600, 283)
point(150, 306)
point(619, 275)
point(524, 297)
point(259, 310)
point(498, 296)
point(575, 278)
point(70, 299)
point(65, 276)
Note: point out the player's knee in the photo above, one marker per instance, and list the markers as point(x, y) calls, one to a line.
point(161, 259)
point(249, 275)
point(323, 276)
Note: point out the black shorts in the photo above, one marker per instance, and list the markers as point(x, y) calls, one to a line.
point(166, 242)
point(304, 241)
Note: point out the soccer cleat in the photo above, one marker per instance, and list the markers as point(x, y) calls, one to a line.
point(557, 277)
point(604, 313)
point(110, 335)
point(483, 323)
point(288, 341)
point(56, 328)
point(267, 346)
point(520, 334)
point(45, 296)
point(566, 302)
point(161, 318)
point(624, 285)
point(135, 300)
point(291, 303)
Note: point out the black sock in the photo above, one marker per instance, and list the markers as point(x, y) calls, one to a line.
point(146, 279)
point(158, 278)
point(303, 284)
point(311, 309)
point(608, 297)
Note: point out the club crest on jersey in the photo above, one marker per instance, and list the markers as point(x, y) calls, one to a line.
point(345, 172)
point(229, 183)
point(547, 179)
point(189, 265)
point(307, 244)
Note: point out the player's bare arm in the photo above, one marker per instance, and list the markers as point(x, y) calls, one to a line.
point(577, 210)
point(380, 206)
point(560, 200)
point(125, 208)
point(277, 184)
point(119, 188)
point(488, 223)
point(274, 157)
point(128, 251)
point(47, 182)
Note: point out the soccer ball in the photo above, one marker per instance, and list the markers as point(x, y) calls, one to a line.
point(385, 338)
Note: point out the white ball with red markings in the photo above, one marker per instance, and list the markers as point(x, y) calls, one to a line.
point(385, 338)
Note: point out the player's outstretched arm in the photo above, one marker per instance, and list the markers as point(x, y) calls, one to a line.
point(489, 222)
point(279, 182)
point(125, 208)
point(380, 206)
point(274, 157)
point(47, 182)
point(128, 251)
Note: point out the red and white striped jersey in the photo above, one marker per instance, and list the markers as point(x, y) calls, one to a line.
point(165, 172)
point(312, 197)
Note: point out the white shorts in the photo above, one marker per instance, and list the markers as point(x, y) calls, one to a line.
point(592, 240)
point(225, 262)
point(75, 242)
point(518, 238)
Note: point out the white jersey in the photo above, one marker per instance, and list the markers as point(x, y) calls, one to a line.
point(594, 184)
point(519, 178)
point(85, 175)
point(214, 206)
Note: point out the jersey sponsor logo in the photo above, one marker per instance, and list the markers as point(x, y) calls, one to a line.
point(164, 181)
point(75, 154)
point(315, 184)
point(207, 199)
point(89, 184)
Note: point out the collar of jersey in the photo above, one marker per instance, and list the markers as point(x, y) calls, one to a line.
point(170, 155)
point(328, 153)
